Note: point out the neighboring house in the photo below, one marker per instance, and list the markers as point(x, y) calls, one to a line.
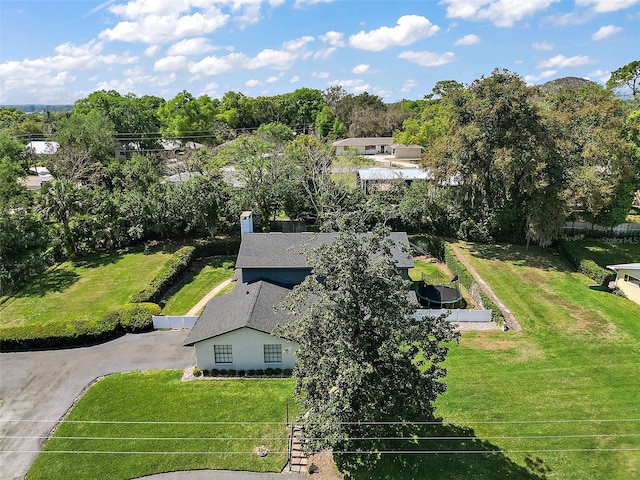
point(380, 177)
point(40, 147)
point(234, 330)
point(628, 279)
point(363, 146)
point(400, 150)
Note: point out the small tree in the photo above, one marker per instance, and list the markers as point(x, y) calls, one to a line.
point(363, 356)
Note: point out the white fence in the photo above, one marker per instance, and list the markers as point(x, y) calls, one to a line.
point(161, 321)
point(457, 314)
point(618, 229)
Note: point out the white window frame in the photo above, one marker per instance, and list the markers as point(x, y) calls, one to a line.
point(223, 354)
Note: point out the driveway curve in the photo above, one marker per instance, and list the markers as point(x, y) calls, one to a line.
point(37, 388)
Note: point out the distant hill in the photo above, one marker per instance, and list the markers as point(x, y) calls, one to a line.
point(38, 108)
point(571, 83)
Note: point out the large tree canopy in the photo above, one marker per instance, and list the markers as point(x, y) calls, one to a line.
point(363, 356)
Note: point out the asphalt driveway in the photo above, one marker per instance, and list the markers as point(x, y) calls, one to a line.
point(37, 388)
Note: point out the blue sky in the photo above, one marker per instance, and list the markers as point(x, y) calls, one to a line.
point(56, 52)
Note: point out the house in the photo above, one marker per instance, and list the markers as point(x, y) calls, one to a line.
point(363, 146)
point(368, 177)
point(40, 147)
point(234, 330)
point(400, 150)
point(628, 279)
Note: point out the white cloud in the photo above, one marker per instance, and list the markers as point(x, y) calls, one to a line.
point(57, 70)
point(602, 6)
point(408, 86)
point(170, 63)
point(269, 58)
point(295, 79)
point(157, 22)
point(427, 59)
point(136, 81)
point(253, 83)
point(471, 39)
point(273, 79)
point(560, 61)
point(324, 54)
point(335, 39)
point(503, 13)
point(534, 79)
point(599, 75)
point(298, 43)
point(192, 46)
point(152, 51)
point(543, 46)
point(356, 85)
point(359, 69)
point(213, 65)
point(320, 74)
point(605, 32)
point(409, 29)
point(302, 3)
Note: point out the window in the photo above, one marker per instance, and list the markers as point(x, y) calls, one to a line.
point(632, 280)
point(273, 353)
point(222, 354)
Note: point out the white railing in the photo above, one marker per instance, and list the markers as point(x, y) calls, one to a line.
point(175, 322)
point(456, 314)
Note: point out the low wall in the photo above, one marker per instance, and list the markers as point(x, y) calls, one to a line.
point(162, 321)
point(457, 314)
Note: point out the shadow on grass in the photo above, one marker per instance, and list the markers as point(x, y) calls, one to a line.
point(450, 452)
point(98, 260)
point(50, 281)
point(533, 256)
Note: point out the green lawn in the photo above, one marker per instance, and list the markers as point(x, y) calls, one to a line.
point(569, 381)
point(83, 289)
point(198, 283)
point(611, 252)
point(119, 401)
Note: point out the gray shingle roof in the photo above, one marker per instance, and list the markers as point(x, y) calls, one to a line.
point(247, 305)
point(285, 250)
point(363, 141)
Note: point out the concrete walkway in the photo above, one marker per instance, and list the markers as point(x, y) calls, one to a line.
point(37, 388)
point(225, 475)
point(203, 301)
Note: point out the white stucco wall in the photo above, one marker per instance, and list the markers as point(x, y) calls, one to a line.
point(407, 152)
point(630, 290)
point(247, 351)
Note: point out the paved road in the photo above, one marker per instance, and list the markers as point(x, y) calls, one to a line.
point(43, 385)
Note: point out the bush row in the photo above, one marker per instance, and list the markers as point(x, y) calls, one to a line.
point(128, 318)
point(267, 372)
point(227, 246)
point(170, 272)
point(466, 279)
point(434, 246)
point(572, 253)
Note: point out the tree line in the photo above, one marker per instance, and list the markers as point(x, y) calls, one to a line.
point(510, 162)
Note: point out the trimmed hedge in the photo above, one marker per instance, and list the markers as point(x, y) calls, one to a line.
point(167, 276)
point(227, 246)
point(573, 255)
point(129, 318)
point(466, 279)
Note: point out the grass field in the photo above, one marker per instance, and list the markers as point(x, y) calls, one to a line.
point(205, 276)
point(611, 252)
point(87, 288)
point(558, 400)
point(119, 401)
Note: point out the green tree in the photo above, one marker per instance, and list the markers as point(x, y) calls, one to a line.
point(363, 357)
point(187, 118)
point(92, 132)
point(303, 108)
point(627, 76)
point(62, 201)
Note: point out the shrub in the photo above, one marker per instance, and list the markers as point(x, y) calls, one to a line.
point(215, 372)
point(241, 373)
point(269, 371)
point(231, 372)
point(196, 372)
point(570, 252)
point(170, 272)
point(277, 371)
point(251, 373)
point(217, 247)
point(288, 372)
point(205, 372)
point(138, 317)
point(259, 372)
point(434, 246)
